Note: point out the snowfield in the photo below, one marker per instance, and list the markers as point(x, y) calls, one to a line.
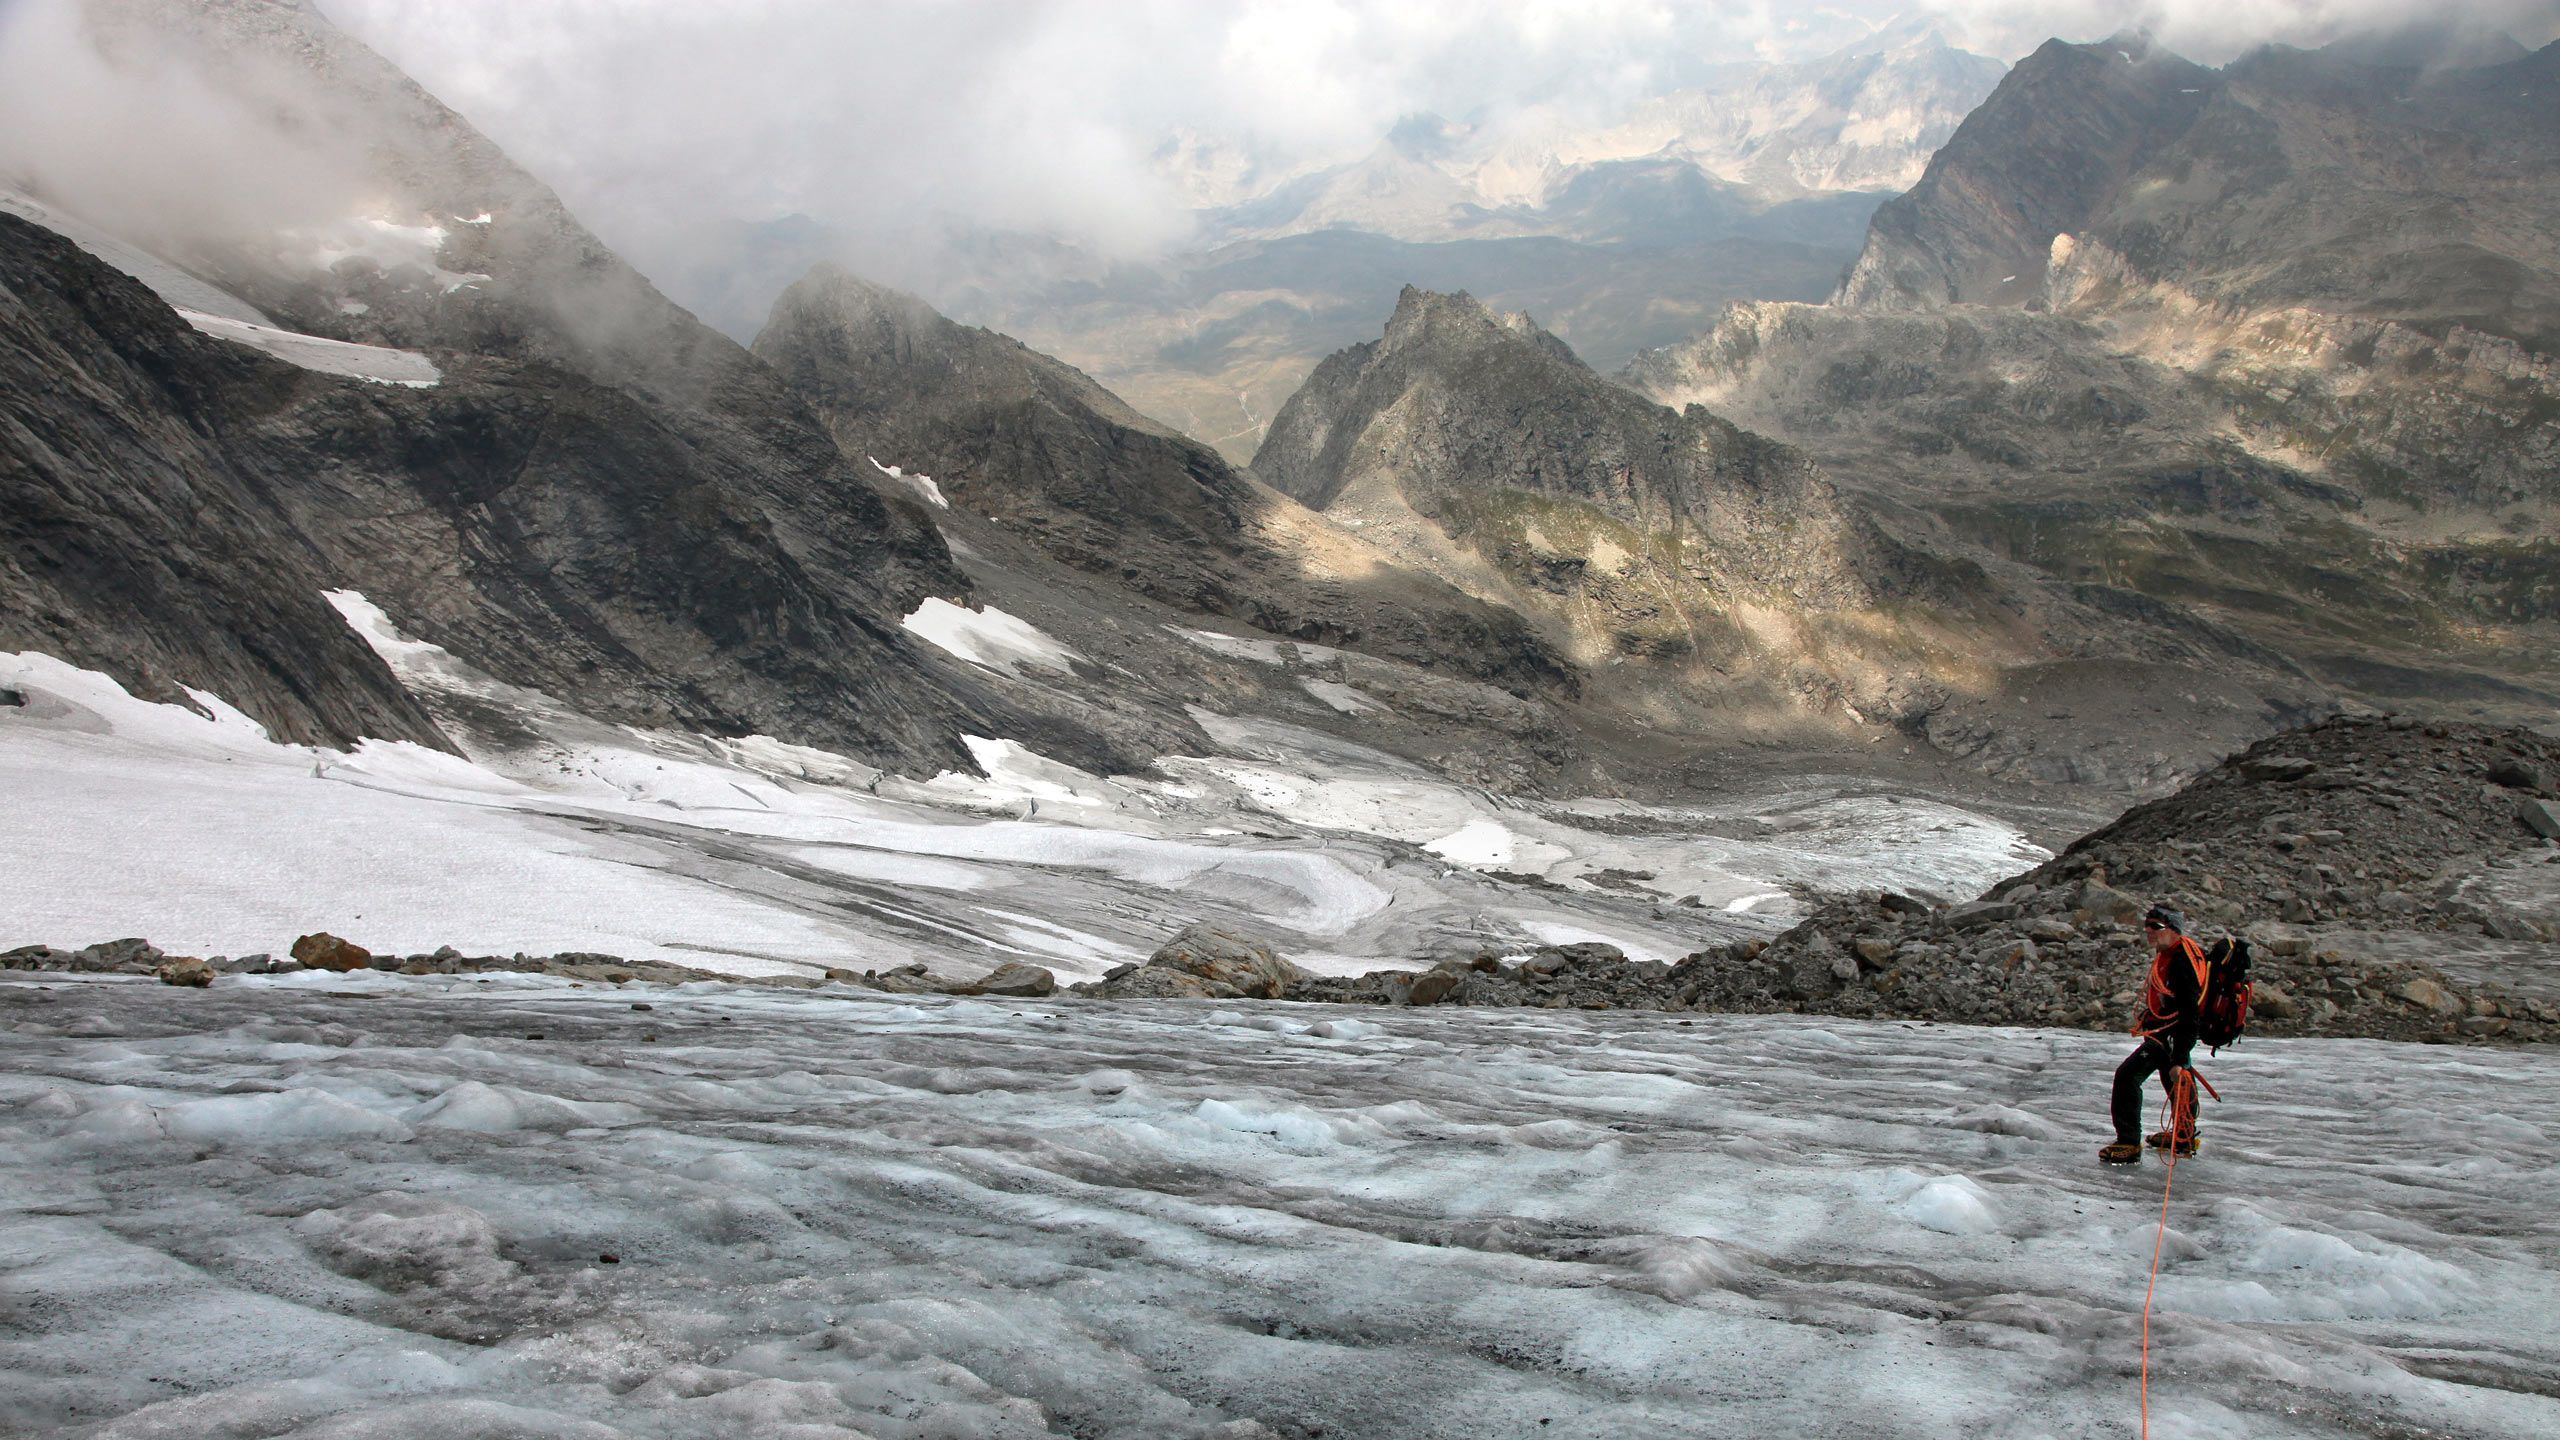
point(324, 1206)
point(751, 856)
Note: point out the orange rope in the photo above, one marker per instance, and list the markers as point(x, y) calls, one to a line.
point(2182, 1113)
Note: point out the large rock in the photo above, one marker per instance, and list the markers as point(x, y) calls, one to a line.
point(324, 951)
point(2540, 818)
point(1432, 986)
point(1975, 914)
point(1028, 981)
point(186, 970)
point(136, 955)
point(1219, 956)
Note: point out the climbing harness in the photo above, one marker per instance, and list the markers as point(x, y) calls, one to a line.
point(2182, 1122)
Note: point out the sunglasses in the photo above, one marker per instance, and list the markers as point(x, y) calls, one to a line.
point(2153, 925)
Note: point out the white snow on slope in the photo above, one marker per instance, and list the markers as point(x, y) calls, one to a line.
point(182, 290)
point(987, 637)
point(378, 363)
point(750, 854)
point(225, 316)
point(369, 1205)
point(921, 484)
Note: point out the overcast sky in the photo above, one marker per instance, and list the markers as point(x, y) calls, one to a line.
point(661, 116)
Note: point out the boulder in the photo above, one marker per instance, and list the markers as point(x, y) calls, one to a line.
point(2106, 903)
point(324, 951)
point(2426, 994)
point(35, 957)
point(1975, 914)
point(1029, 981)
point(2515, 774)
point(2540, 818)
point(1432, 986)
point(1218, 956)
point(184, 970)
point(136, 955)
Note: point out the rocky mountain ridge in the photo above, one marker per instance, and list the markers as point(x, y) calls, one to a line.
point(2223, 341)
point(1711, 571)
point(598, 497)
point(1031, 443)
point(2359, 857)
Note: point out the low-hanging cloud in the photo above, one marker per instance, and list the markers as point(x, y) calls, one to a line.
point(671, 124)
point(121, 127)
point(662, 119)
point(2217, 31)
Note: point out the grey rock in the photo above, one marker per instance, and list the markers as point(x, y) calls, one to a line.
point(113, 955)
point(2540, 818)
point(1976, 914)
point(1221, 957)
point(1015, 978)
point(2515, 774)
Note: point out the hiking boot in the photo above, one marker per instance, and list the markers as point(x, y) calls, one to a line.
point(2187, 1144)
point(2120, 1153)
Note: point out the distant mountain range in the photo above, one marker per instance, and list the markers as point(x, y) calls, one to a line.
point(2272, 343)
point(2166, 407)
point(1620, 234)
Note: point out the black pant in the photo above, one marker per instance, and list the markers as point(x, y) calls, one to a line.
point(2151, 1058)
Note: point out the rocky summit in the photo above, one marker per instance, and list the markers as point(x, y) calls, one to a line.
point(2209, 348)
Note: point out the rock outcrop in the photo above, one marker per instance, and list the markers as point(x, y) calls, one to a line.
point(600, 498)
point(1476, 444)
point(2212, 349)
point(1205, 962)
point(1029, 442)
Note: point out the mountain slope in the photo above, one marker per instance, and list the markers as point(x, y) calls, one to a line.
point(1012, 434)
point(2256, 342)
point(600, 498)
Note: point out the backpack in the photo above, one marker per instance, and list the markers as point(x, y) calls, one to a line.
point(2224, 1011)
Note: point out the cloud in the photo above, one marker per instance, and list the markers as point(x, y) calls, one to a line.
point(2216, 31)
point(145, 145)
point(653, 116)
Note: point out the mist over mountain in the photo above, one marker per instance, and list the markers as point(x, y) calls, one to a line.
point(1089, 787)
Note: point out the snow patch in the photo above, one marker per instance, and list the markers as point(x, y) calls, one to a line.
point(921, 484)
point(379, 364)
point(988, 638)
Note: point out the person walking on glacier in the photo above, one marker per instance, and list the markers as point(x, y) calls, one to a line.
point(2172, 1013)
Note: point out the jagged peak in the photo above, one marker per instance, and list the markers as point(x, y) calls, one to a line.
point(1421, 315)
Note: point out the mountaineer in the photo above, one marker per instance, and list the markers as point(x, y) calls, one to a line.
point(2173, 1003)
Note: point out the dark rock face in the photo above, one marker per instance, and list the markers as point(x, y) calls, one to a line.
point(1012, 434)
point(129, 540)
point(603, 499)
